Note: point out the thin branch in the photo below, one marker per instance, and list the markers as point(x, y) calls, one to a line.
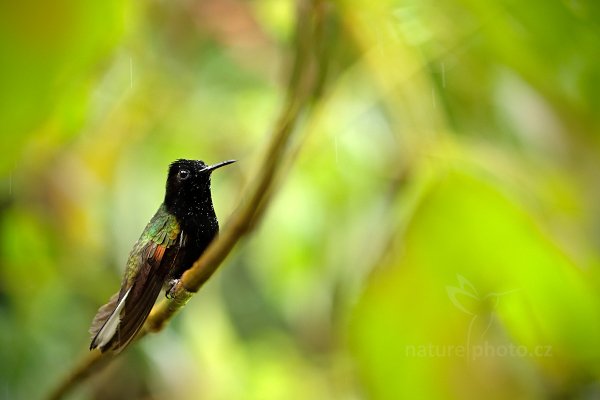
point(300, 92)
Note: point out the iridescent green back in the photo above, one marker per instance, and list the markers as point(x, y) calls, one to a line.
point(162, 230)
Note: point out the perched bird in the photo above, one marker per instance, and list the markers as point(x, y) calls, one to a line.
point(175, 237)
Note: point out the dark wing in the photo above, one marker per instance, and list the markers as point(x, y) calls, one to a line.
point(117, 322)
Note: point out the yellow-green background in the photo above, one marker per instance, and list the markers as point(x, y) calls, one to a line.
point(445, 200)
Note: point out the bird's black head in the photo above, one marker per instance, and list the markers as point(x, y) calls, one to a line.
point(188, 186)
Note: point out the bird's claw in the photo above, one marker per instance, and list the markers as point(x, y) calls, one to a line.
point(172, 288)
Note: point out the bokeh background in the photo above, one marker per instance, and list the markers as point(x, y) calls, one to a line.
point(437, 237)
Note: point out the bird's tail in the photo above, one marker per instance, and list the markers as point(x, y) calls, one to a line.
point(118, 321)
point(107, 320)
point(102, 315)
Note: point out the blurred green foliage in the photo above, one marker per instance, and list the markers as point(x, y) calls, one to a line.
point(437, 236)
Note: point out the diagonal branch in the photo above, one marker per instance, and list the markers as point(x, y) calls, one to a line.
point(303, 87)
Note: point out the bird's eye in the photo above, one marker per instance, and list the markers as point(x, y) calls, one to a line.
point(183, 174)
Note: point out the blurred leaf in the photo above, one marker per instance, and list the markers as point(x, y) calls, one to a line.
point(409, 331)
point(52, 51)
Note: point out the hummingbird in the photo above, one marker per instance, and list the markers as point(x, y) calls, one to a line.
point(175, 237)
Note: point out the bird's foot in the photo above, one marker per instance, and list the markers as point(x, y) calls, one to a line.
point(172, 288)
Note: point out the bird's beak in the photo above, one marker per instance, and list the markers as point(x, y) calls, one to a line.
point(217, 165)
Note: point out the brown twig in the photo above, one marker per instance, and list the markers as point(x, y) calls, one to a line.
point(301, 91)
